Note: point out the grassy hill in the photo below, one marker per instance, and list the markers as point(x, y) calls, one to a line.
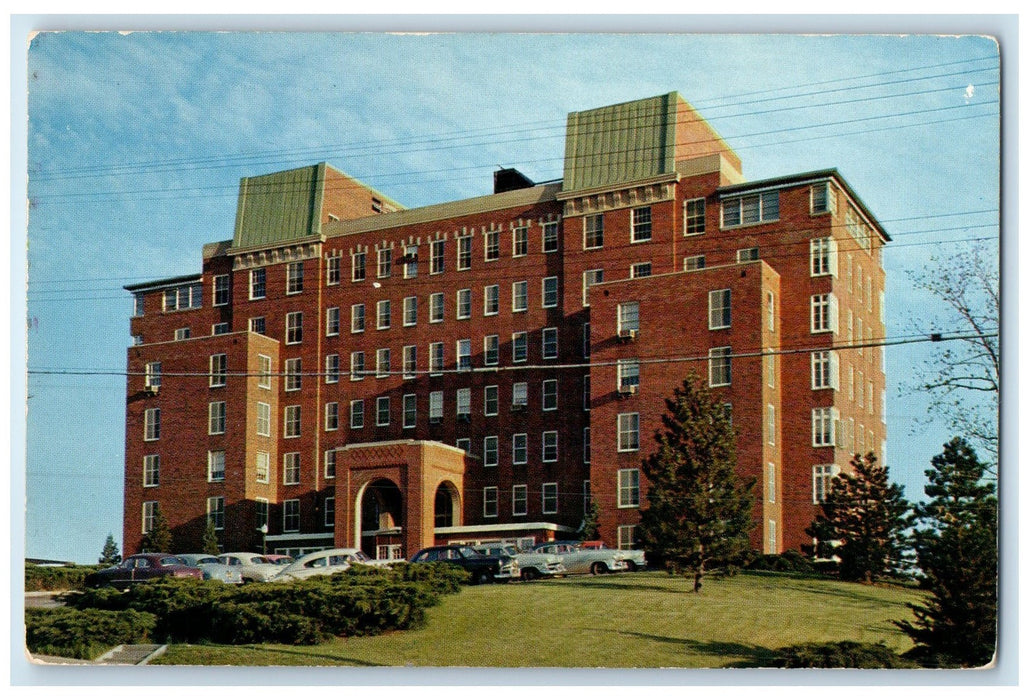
point(645, 620)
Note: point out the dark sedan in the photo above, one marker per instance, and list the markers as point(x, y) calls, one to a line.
point(142, 567)
point(483, 569)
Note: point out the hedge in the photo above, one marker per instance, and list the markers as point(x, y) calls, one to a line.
point(55, 578)
point(84, 634)
point(844, 654)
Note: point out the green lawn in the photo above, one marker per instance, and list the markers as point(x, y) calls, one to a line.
point(644, 619)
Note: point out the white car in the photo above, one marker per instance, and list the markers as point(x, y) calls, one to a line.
point(533, 565)
point(584, 561)
point(635, 559)
point(253, 567)
point(325, 563)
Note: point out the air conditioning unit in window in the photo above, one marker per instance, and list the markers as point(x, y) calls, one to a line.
point(464, 417)
point(627, 335)
point(518, 407)
point(435, 420)
point(628, 389)
point(150, 388)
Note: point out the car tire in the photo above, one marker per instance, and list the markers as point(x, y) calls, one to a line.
point(482, 577)
point(598, 567)
point(530, 574)
point(630, 566)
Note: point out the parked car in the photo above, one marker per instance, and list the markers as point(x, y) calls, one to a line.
point(532, 565)
point(281, 559)
point(584, 561)
point(324, 563)
point(140, 568)
point(483, 569)
point(634, 558)
point(253, 567)
point(213, 569)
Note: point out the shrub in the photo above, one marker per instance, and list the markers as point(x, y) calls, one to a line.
point(790, 560)
point(84, 634)
point(55, 578)
point(845, 654)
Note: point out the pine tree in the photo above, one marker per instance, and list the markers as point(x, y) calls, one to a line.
point(159, 537)
point(210, 543)
point(699, 513)
point(863, 521)
point(957, 556)
point(110, 555)
point(590, 527)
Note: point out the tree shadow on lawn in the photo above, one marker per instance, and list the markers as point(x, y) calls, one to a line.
point(852, 592)
point(754, 656)
point(307, 654)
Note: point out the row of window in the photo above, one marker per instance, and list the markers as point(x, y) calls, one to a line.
point(216, 513)
point(519, 500)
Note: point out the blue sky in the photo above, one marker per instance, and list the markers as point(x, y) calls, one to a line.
point(136, 144)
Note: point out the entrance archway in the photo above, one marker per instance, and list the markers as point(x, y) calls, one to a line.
point(380, 512)
point(447, 505)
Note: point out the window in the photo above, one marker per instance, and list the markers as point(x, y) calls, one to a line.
point(410, 410)
point(628, 375)
point(332, 269)
point(719, 309)
point(216, 418)
point(152, 376)
point(382, 410)
point(410, 361)
point(357, 266)
point(750, 209)
point(641, 225)
point(435, 406)
point(821, 480)
point(519, 296)
point(823, 198)
point(824, 257)
point(549, 292)
point(220, 329)
point(294, 278)
point(519, 499)
point(382, 362)
point(823, 427)
point(490, 451)
point(549, 394)
point(694, 262)
point(264, 419)
point(329, 511)
point(824, 313)
point(550, 446)
point(357, 366)
point(357, 413)
point(520, 394)
point(221, 290)
point(825, 370)
point(436, 253)
point(137, 304)
point(719, 365)
point(491, 400)
point(550, 237)
point(695, 216)
point(628, 488)
point(491, 349)
point(257, 325)
point(464, 252)
point(519, 346)
point(491, 300)
point(216, 512)
point(332, 415)
point(294, 327)
point(410, 311)
point(464, 303)
point(586, 339)
point(489, 502)
point(492, 245)
point(149, 515)
point(332, 369)
point(464, 355)
point(628, 432)
point(357, 318)
point(188, 296)
point(771, 424)
point(330, 464)
point(257, 283)
point(435, 358)
point(436, 307)
point(519, 448)
point(215, 465)
point(291, 515)
point(410, 262)
point(627, 537)
point(586, 396)
point(593, 231)
point(464, 403)
point(586, 445)
point(747, 255)
point(262, 468)
point(549, 343)
point(590, 278)
point(332, 321)
point(628, 317)
point(520, 241)
point(638, 270)
point(152, 470)
point(384, 263)
point(291, 468)
point(219, 370)
point(770, 308)
point(549, 498)
point(383, 314)
point(293, 377)
point(292, 422)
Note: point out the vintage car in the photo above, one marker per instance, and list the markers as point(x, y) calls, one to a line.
point(140, 568)
point(584, 561)
point(213, 569)
point(254, 567)
point(324, 563)
point(634, 558)
point(482, 568)
point(533, 565)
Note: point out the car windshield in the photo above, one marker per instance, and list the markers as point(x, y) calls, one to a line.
point(259, 560)
point(172, 561)
point(468, 552)
point(361, 556)
point(207, 560)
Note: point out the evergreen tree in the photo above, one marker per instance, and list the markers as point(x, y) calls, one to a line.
point(957, 556)
point(110, 555)
point(590, 527)
point(699, 513)
point(210, 543)
point(159, 537)
point(863, 521)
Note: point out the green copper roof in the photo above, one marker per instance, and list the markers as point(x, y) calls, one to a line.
point(279, 207)
point(620, 143)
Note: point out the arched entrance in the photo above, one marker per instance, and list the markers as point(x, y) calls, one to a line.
point(447, 505)
point(380, 516)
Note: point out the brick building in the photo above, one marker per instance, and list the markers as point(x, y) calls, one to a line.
point(346, 371)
